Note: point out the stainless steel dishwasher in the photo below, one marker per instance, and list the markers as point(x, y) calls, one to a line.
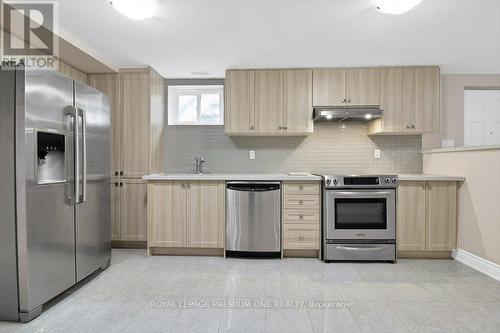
point(253, 219)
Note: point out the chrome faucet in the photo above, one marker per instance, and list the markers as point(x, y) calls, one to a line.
point(199, 164)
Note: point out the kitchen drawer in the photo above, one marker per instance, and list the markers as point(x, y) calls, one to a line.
point(301, 188)
point(303, 236)
point(301, 216)
point(301, 202)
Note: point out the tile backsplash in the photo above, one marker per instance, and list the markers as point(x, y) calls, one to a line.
point(333, 148)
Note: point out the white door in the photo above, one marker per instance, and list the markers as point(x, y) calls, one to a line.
point(481, 117)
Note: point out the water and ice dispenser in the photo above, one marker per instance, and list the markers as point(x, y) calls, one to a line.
point(51, 158)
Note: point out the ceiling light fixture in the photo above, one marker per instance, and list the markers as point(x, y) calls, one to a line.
point(135, 9)
point(396, 6)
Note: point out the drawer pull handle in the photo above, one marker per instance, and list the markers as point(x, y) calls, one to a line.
point(301, 202)
point(301, 188)
point(301, 217)
point(301, 237)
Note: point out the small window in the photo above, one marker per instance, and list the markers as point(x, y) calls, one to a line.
point(196, 105)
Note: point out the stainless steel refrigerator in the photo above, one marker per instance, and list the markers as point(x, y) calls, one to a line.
point(55, 211)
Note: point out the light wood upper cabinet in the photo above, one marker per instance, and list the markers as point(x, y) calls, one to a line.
point(277, 102)
point(167, 215)
point(329, 87)
point(109, 85)
point(186, 214)
point(137, 120)
point(134, 94)
point(239, 115)
point(297, 110)
point(204, 214)
point(268, 101)
point(427, 99)
point(362, 86)
point(441, 210)
point(411, 216)
point(133, 214)
point(397, 99)
point(346, 86)
point(409, 97)
point(72, 72)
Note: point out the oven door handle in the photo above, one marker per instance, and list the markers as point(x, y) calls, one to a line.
point(364, 248)
point(362, 194)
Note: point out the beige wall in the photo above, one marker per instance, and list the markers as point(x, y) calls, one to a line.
point(452, 106)
point(478, 197)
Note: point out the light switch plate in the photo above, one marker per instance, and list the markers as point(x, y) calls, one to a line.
point(251, 154)
point(377, 153)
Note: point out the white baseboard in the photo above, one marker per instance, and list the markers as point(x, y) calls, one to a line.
point(479, 264)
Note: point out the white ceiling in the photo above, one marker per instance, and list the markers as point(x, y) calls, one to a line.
point(462, 36)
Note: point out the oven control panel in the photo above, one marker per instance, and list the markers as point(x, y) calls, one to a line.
point(361, 181)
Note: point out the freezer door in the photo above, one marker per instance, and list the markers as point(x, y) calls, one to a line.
point(45, 213)
point(93, 207)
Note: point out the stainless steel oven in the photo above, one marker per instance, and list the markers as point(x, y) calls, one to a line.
point(359, 218)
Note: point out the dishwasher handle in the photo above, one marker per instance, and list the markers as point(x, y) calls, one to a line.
point(253, 187)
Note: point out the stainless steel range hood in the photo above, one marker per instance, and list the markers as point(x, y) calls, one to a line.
point(342, 113)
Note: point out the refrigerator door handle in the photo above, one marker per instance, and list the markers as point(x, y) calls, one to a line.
point(75, 113)
point(84, 155)
point(72, 112)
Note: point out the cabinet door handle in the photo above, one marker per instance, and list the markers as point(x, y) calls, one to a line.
point(121, 184)
point(349, 100)
point(121, 173)
point(301, 237)
point(252, 127)
point(343, 100)
point(116, 184)
point(285, 128)
point(412, 126)
point(116, 173)
point(183, 185)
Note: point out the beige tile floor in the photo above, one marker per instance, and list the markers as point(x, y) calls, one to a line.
point(198, 294)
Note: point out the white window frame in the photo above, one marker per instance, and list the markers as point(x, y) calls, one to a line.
point(174, 92)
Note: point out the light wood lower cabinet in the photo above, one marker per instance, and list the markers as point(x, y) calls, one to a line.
point(186, 214)
point(115, 210)
point(167, 215)
point(301, 215)
point(128, 211)
point(205, 214)
point(301, 236)
point(426, 217)
point(411, 216)
point(133, 199)
point(441, 216)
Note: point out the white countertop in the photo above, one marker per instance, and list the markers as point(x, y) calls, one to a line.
point(420, 177)
point(460, 149)
point(277, 177)
point(230, 176)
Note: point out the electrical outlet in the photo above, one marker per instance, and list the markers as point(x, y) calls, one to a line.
point(377, 153)
point(251, 154)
